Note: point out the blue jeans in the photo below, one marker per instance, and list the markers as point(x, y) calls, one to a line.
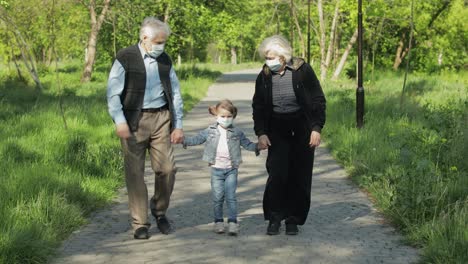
point(224, 185)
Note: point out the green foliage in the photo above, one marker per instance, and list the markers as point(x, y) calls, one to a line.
point(412, 158)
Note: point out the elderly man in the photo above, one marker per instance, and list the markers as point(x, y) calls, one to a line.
point(145, 102)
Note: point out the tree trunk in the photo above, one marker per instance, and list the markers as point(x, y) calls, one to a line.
point(96, 23)
point(27, 55)
point(340, 66)
point(323, 68)
point(400, 52)
point(332, 36)
point(167, 12)
point(299, 31)
point(233, 55)
point(28, 59)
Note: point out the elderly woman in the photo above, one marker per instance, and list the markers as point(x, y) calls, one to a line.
point(289, 113)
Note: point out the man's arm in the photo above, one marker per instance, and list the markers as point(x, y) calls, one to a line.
point(177, 136)
point(177, 99)
point(115, 86)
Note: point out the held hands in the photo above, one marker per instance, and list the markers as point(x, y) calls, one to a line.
point(263, 142)
point(314, 139)
point(177, 136)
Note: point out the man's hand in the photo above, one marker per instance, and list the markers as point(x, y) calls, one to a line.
point(263, 142)
point(314, 139)
point(177, 136)
point(123, 131)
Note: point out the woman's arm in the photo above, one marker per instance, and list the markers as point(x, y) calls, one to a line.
point(258, 106)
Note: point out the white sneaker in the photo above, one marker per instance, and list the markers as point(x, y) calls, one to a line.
point(233, 229)
point(219, 227)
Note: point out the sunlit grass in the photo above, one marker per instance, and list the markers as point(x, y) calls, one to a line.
point(411, 155)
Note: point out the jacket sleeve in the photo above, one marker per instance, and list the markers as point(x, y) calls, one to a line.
point(315, 99)
point(196, 140)
point(258, 106)
point(247, 144)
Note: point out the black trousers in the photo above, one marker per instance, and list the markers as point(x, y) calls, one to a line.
point(289, 165)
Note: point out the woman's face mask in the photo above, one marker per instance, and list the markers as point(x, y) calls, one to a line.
point(274, 64)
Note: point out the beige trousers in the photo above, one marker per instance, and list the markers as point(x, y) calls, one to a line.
point(153, 135)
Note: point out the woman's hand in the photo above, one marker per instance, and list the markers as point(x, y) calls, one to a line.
point(263, 142)
point(314, 139)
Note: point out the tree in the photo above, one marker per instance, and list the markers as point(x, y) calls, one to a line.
point(96, 23)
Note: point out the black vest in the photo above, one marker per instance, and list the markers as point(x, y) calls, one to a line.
point(135, 81)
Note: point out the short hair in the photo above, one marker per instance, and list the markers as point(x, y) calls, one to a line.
point(276, 44)
point(152, 26)
point(225, 104)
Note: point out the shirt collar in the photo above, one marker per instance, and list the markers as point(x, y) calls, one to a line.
point(142, 51)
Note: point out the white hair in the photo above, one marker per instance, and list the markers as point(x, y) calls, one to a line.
point(276, 44)
point(152, 26)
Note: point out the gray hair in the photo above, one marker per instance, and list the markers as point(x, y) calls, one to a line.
point(152, 26)
point(276, 44)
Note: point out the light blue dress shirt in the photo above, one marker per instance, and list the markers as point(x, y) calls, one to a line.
point(154, 96)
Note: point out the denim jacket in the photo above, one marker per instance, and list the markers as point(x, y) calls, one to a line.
point(235, 139)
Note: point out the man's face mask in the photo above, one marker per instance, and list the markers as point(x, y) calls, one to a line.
point(156, 50)
point(274, 65)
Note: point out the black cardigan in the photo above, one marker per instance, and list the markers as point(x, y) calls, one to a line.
point(308, 93)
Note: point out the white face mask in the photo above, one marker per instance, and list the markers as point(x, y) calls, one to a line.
point(274, 65)
point(224, 121)
point(156, 50)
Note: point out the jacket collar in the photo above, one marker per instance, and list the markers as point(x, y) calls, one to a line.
point(215, 126)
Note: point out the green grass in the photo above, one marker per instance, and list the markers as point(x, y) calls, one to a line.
point(53, 177)
point(411, 157)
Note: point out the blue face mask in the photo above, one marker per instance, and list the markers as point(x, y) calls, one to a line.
point(156, 50)
point(274, 65)
point(225, 121)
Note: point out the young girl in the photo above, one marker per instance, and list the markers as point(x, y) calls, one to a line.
point(223, 154)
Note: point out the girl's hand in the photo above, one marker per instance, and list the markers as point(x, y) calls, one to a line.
point(314, 139)
point(263, 142)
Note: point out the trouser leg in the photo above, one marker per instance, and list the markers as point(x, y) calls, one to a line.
point(230, 186)
point(162, 162)
point(217, 191)
point(134, 166)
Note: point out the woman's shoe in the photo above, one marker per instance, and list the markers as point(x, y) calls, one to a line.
point(273, 228)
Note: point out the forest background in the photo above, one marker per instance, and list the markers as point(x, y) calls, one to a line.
point(60, 159)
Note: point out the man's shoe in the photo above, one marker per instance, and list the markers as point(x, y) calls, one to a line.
point(273, 228)
point(141, 233)
point(233, 229)
point(163, 224)
point(291, 229)
point(219, 227)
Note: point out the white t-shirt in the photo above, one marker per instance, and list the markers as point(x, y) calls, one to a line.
point(223, 160)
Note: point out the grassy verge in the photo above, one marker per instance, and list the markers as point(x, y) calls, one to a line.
point(56, 170)
point(411, 155)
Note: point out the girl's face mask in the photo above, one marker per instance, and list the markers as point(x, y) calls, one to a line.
point(224, 121)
